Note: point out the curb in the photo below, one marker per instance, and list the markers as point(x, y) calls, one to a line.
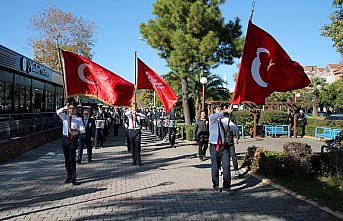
point(268, 181)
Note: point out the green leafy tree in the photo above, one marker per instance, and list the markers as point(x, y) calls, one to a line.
point(335, 29)
point(193, 37)
point(58, 29)
point(214, 89)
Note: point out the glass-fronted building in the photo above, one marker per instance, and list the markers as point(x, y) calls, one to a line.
point(27, 86)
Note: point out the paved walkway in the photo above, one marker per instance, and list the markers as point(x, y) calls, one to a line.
point(171, 185)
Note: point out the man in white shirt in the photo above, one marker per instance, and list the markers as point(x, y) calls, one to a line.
point(220, 154)
point(72, 127)
point(134, 129)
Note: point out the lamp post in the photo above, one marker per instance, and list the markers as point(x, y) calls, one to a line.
point(142, 39)
point(295, 115)
point(203, 81)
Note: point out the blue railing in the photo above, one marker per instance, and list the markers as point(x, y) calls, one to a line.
point(273, 130)
point(325, 132)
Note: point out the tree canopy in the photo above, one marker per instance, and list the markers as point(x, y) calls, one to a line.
point(335, 29)
point(56, 28)
point(192, 36)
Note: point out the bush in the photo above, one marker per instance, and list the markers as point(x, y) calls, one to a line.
point(189, 133)
point(296, 160)
point(273, 117)
point(242, 117)
point(299, 155)
point(321, 165)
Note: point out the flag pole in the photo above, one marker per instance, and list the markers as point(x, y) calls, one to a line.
point(252, 10)
point(62, 70)
point(135, 80)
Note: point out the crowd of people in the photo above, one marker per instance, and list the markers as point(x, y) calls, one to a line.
point(84, 127)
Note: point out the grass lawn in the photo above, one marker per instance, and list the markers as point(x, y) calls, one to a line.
point(327, 191)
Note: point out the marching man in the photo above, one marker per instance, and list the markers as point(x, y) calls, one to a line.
point(72, 127)
point(134, 129)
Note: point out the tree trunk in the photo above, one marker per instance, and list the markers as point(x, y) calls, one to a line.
point(197, 108)
point(185, 104)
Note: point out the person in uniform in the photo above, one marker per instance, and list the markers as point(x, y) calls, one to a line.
point(172, 127)
point(116, 121)
point(86, 138)
point(72, 127)
point(126, 126)
point(201, 132)
point(134, 129)
point(100, 118)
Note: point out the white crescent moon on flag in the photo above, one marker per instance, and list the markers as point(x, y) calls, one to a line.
point(255, 67)
point(80, 72)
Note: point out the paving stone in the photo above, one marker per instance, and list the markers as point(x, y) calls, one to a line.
point(172, 184)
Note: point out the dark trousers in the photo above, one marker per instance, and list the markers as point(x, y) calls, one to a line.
point(83, 140)
point(172, 136)
point(303, 131)
point(158, 130)
point(135, 142)
point(128, 141)
point(69, 151)
point(115, 129)
point(220, 158)
point(203, 145)
point(100, 137)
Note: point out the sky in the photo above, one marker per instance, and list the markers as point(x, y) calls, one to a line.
point(294, 24)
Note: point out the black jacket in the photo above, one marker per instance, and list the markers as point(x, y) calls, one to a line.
point(201, 130)
point(90, 128)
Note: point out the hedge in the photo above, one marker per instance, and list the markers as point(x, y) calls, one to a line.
point(280, 164)
point(273, 117)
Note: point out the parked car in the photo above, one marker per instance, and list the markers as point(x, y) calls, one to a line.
point(335, 117)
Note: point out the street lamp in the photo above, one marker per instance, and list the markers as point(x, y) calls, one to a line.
point(203, 81)
point(296, 95)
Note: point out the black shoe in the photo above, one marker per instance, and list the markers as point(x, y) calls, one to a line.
point(216, 189)
point(134, 164)
point(227, 191)
point(140, 164)
point(78, 161)
point(68, 180)
point(75, 183)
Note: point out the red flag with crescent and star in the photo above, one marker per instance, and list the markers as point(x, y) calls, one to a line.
point(84, 77)
point(265, 68)
point(149, 79)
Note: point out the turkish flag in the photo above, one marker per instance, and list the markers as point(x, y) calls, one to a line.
point(265, 68)
point(149, 79)
point(84, 77)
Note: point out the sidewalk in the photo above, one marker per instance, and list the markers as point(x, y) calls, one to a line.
point(171, 185)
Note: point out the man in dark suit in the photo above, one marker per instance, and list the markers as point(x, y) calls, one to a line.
point(88, 137)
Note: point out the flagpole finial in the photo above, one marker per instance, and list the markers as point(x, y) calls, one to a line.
point(252, 10)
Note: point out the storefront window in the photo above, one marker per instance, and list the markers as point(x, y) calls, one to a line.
point(22, 94)
point(2, 97)
point(8, 97)
point(37, 96)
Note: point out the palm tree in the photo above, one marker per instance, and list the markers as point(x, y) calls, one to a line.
point(215, 89)
point(316, 83)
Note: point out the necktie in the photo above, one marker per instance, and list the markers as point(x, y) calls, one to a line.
point(69, 126)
